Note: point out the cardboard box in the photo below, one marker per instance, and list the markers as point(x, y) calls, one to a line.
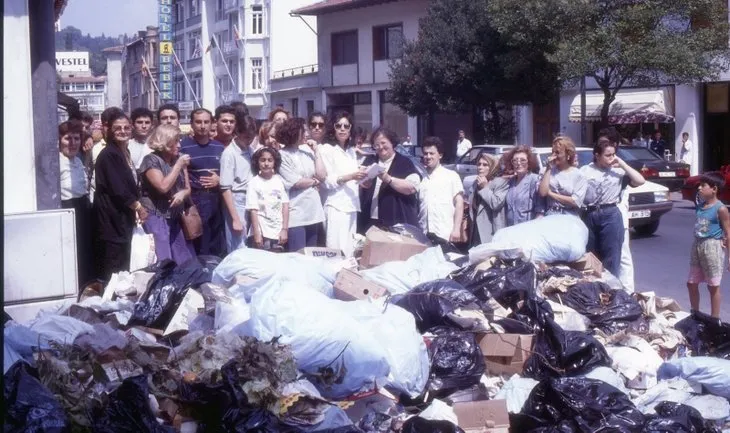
point(505, 353)
point(323, 253)
point(486, 416)
point(351, 286)
point(589, 263)
point(382, 246)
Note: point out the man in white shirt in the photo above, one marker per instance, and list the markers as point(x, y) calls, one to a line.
point(684, 151)
point(442, 194)
point(463, 145)
point(141, 129)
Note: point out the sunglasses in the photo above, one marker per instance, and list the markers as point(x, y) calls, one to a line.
point(319, 125)
point(345, 126)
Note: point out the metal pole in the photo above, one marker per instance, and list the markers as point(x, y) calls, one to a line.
point(583, 125)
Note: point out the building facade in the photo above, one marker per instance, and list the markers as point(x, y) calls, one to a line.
point(227, 50)
point(77, 82)
point(140, 61)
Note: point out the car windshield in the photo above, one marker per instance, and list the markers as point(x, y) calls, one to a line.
point(636, 154)
point(471, 156)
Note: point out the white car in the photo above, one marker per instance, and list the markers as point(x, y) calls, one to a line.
point(647, 203)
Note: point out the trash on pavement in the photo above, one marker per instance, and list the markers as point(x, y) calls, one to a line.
point(29, 406)
point(554, 238)
point(382, 246)
point(706, 336)
point(456, 361)
point(351, 286)
point(589, 264)
point(505, 353)
point(486, 416)
point(712, 373)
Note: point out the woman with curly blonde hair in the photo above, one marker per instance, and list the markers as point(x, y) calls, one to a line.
point(164, 189)
point(563, 184)
point(523, 203)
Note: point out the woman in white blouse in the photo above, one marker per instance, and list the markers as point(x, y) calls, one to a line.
point(75, 192)
point(343, 174)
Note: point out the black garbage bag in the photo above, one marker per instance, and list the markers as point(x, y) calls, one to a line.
point(677, 418)
point(253, 420)
point(417, 424)
point(433, 301)
point(29, 406)
point(128, 410)
point(577, 404)
point(534, 313)
point(706, 336)
point(208, 262)
point(456, 361)
point(608, 309)
point(446, 245)
point(560, 272)
point(514, 326)
point(508, 281)
point(564, 353)
point(165, 292)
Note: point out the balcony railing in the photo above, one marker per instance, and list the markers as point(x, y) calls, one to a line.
point(293, 72)
point(230, 47)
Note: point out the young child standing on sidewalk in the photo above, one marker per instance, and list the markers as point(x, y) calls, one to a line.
point(707, 257)
point(268, 202)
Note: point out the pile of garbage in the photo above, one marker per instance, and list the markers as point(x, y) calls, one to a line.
point(525, 334)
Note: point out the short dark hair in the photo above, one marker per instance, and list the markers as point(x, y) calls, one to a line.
point(224, 109)
point(72, 126)
point(198, 111)
point(276, 110)
point(87, 117)
point(434, 142)
point(106, 115)
point(113, 118)
point(245, 126)
point(164, 107)
point(611, 134)
point(288, 132)
point(314, 114)
point(141, 112)
point(336, 116)
point(240, 107)
point(274, 153)
point(685, 133)
point(387, 133)
point(601, 145)
point(712, 180)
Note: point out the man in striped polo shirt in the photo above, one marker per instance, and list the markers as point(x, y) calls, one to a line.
point(203, 171)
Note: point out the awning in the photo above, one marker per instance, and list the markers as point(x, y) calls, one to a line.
point(630, 106)
point(67, 102)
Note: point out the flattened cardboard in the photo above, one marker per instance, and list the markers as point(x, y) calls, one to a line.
point(323, 253)
point(381, 247)
point(486, 416)
point(351, 286)
point(589, 263)
point(505, 353)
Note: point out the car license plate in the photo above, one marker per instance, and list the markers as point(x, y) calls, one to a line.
point(666, 174)
point(639, 214)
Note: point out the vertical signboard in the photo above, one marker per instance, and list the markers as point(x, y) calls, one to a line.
point(166, 43)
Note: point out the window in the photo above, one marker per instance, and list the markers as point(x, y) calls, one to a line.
point(195, 83)
point(180, 49)
point(99, 86)
point(179, 12)
point(180, 90)
point(233, 69)
point(344, 48)
point(295, 107)
point(135, 86)
point(257, 20)
point(388, 42)
point(310, 107)
point(257, 74)
point(232, 26)
point(392, 116)
point(194, 45)
point(194, 8)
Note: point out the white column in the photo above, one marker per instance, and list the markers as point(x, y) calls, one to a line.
point(208, 75)
point(375, 108)
point(413, 130)
point(18, 144)
point(524, 125)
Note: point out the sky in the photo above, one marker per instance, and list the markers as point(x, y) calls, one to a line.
point(111, 17)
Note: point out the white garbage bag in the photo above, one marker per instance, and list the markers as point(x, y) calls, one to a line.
point(676, 390)
point(636, 360)
point(609, 376)
point(516, 391)
point(712, 373)
point(143, 249)
point(402, 276)
point(343, 347)
point(554, 238)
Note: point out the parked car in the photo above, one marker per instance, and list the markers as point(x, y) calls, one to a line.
point(466, 165)
point(647, 203)
point(689, 189)
point(655, 168)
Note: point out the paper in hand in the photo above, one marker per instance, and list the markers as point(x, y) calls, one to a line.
point(372, 172)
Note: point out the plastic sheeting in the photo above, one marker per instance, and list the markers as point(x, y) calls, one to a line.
point(554, 238)
point(712, 373)
point(29, 406)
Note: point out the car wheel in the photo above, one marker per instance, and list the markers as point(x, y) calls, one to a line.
point(647, 229)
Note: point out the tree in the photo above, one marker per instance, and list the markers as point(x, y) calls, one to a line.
point(621, 42)
point(460, 62)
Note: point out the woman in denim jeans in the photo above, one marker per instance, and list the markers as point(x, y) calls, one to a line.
point(164, 188)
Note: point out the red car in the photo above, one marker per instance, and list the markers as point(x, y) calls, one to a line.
point(689, 189)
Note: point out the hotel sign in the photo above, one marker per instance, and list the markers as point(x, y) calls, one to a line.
point(166, 37)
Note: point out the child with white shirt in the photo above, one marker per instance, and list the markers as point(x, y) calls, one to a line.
point(267, 202)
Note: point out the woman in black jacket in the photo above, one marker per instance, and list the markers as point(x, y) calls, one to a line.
point(391, 197)
point(116, 201)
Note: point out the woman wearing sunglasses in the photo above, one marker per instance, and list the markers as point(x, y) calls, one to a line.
point(523, 202)
point(116, 201)
point(342, 202)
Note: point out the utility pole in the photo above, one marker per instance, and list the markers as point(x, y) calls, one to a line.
point(583, 126)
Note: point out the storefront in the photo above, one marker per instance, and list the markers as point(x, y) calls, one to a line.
point(716, 124)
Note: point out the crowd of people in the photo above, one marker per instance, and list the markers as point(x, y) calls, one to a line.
point(292, 183)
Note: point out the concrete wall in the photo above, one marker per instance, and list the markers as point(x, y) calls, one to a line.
point(292, 42)
point(113, 79)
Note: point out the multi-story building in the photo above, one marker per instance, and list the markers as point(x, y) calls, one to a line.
point(140, 61)
point(356, 40)
point(77, 82)
point(228, 50)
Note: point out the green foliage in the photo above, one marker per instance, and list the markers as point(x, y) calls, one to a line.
point(71, 39)
point(460, 62)
point(621, 42)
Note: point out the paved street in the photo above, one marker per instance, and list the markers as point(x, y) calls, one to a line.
point(661, 261)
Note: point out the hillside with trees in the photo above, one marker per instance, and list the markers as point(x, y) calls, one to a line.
point(71, 39)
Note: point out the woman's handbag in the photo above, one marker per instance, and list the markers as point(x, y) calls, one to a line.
point(191, 223)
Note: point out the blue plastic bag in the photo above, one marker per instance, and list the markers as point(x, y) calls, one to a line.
point(712, 373)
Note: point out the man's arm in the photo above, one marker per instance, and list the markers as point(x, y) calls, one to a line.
point(458, 216)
